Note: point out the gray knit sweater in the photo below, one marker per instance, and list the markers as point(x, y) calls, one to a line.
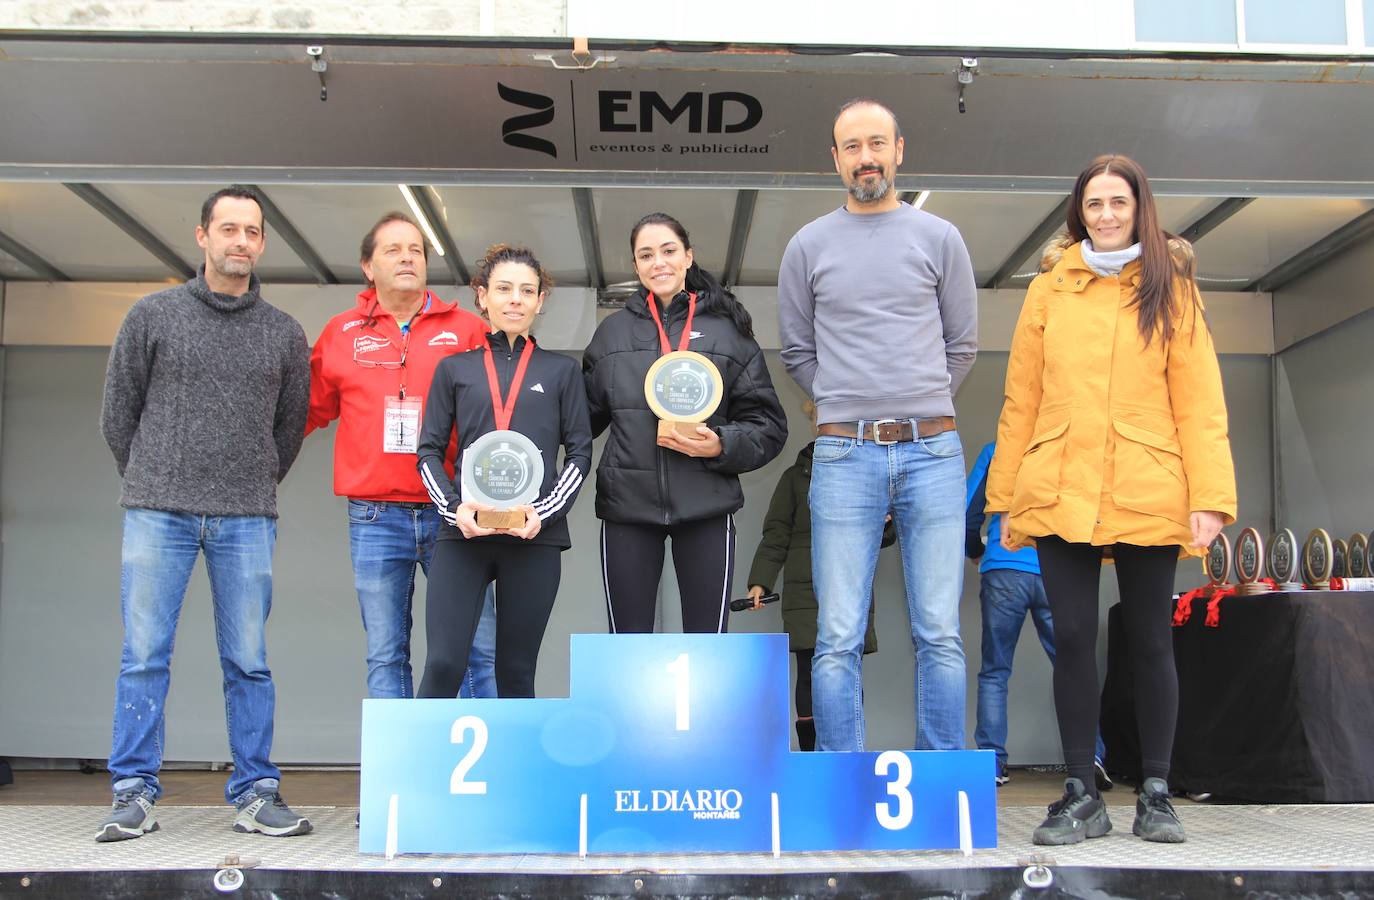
point(205, 401)
point(878, 314)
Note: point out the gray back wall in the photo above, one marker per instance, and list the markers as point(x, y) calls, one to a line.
point(59, 584)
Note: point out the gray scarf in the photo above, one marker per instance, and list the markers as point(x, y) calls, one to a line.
point(1109, 262)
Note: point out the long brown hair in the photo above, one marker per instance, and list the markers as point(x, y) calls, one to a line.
point(1160, 270)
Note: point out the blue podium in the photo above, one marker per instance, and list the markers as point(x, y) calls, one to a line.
point(668, 743)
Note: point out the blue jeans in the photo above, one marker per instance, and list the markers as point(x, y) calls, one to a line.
point(1007, 597)
point(386, 541)
point(159, 551)
point(854, 485)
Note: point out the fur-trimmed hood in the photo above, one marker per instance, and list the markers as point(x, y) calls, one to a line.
point(1179, 249)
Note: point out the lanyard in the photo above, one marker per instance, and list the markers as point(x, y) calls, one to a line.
point(503, 410)
point(686, 335)
point(405, 343)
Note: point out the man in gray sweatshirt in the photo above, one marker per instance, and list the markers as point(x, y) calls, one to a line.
point(205, 402)
point(878, 313)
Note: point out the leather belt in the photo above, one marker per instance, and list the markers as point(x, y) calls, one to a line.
point(890, 431)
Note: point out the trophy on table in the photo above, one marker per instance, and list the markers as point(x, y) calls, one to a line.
point(1250, 564)
point(1340, 559)
point(1357, 561)
point(1283, 560)
point(502, 469)
point(1217, 563)
point(1317, 559)
point(683, 388)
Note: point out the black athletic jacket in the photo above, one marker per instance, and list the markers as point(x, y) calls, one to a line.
point(640, 483)
point(551, 411)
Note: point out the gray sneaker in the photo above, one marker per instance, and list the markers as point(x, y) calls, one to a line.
point(263, 810)
point(131, 816)
point(1072, 818)
point(1155, 819)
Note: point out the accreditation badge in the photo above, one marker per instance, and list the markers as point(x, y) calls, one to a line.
point(401, 425)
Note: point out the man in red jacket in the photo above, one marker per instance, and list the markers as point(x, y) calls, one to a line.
point(371, 369)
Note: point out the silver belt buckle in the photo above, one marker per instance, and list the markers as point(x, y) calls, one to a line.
point(877, 434)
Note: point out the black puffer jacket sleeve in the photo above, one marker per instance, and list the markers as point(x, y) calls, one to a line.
point(595, 376)
point(756, 427)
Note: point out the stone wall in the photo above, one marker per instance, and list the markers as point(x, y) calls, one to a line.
point(527, 18)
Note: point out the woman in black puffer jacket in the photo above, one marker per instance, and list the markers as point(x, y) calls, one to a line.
point(648, 487)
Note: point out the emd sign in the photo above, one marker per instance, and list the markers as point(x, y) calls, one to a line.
point(635, 111)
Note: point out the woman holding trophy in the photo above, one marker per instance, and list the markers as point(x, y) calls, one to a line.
point(513, 405)
point(680, 382)
point(1113, 442)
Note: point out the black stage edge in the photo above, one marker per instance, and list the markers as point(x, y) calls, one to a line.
point(1031, 882)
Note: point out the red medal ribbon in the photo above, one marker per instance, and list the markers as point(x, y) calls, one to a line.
point(663, 344)
point(503, 410)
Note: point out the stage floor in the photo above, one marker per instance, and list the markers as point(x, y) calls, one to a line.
point(49, 821)
point(60, 838)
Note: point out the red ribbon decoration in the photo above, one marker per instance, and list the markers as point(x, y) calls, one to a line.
point(686, 335)
point(502, 410)
point(1213, 619)
point(1183, 610)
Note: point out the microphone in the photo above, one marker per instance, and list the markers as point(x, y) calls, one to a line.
point(744, 603)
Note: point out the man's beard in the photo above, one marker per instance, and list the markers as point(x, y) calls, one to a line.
point(231, 268)
point(865, 192)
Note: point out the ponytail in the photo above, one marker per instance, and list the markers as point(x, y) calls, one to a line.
point(712, 297)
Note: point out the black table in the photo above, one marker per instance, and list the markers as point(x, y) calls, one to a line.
point(1276, 705)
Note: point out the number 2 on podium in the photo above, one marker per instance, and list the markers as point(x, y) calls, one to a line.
point(680, 668)
point(456, 782)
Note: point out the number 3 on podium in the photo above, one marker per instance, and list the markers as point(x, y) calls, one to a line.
point(681, 670)
point(456, 782)
point(897, 787)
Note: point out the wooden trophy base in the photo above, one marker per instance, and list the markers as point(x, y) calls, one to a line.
point(686, 429)
point(501, 518)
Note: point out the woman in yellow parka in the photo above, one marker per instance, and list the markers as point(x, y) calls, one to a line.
point(1112, 441)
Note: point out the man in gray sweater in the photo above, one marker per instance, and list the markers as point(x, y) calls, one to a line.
point(878, 313)
point(205, 403)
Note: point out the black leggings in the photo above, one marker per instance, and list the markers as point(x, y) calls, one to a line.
point(1145, 576)
point(632, 563)
point(526, 577)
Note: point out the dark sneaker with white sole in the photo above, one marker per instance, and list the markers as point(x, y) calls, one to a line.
point(1074, 817)
point(1155, 819)
point(131, 816)
point(264, 811)
point(1002, 776)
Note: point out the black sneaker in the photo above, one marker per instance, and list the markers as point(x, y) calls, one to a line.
point(131, 816)
point(1073, 817)
point(1002, 776)
point(264, 811)
point(1104, 781)
point(1155, 819)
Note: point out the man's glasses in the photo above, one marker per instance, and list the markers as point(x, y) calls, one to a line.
point(381, 364)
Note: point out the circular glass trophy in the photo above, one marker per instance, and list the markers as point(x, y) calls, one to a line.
point(1217, 563)
point(1283, 560)
point(1317, 558)
point(502, 469)
point(683, 389)
point(1250, 563)
point(1358, 560)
